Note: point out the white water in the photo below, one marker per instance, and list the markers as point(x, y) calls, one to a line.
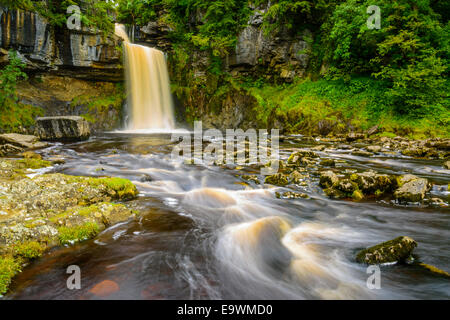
point(150, 105)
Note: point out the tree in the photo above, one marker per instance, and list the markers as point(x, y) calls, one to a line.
point(9, 77)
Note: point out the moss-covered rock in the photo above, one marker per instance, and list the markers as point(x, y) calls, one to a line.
point(291, 195)
point(328, 163)
point(413, 190)
point(328, 179)
point(278, 179)
point(396, 250)
point(253, 178)
point(54, 209)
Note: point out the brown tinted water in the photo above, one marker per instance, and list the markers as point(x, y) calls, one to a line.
point(205, 235)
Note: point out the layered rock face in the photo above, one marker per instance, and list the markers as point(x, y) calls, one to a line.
point(83, 54)
point(278, 57)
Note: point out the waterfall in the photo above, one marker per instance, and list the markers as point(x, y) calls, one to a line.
point(150, 104)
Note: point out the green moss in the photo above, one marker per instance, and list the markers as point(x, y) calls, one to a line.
point(121, 189)
point(9, 267)
point(278, 179)
point(29, 250)
point(357, 195)
point(87, 211)
point(70, 235)
point(30, 163)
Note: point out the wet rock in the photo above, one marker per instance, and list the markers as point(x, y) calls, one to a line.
point(354, 136)
point(328, 179)
point(278, 179)
point(370, 182)
point(62, 128)
point(346, 186)
point(334, 193)
point(105, 288)
point(296, 177)
point(9, 149)
point(319, 148)
point(362, 153)
point(447, 165)
point(31, 155)
point(396, 250)
point(300, 156)
point(328, 163)
point(291, 195)
point(22, 141)
point(374, 149)
point(253, 178)
point(413, 190)
point(420, 152)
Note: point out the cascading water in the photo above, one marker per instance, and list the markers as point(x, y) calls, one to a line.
point(150, 104)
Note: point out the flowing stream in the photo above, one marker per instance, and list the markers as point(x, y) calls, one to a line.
point(205, 234)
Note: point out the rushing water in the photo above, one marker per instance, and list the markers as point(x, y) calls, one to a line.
point(206, 235)
point(150, 104)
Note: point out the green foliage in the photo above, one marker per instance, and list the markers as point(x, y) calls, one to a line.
point(94, 13)
point(14, 115)
point(216, 26)
point(410, 52)
point(29, 250)
point(70, 235)
point(363, 102)
point(9, 267)
point(9, 77)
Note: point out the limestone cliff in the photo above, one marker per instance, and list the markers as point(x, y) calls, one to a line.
point(83, 54)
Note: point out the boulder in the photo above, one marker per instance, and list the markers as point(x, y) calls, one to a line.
point(369, 182)
point(328, 163)
point(354, 136)
point(374, 149)
point(21, 141)
point(362, 153)
point(7, 149)
point(278, 179)
point(413, 190)
point(447, 165)
point(328, 179)
point(62, 128)
point(396, 250)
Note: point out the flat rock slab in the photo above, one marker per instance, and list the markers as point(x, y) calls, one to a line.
point(23, 141)
point(63, 128)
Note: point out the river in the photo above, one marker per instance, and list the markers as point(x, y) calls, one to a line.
point(205, 234)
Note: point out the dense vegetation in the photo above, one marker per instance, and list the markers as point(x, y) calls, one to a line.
point(14, 116)
point(401, 69)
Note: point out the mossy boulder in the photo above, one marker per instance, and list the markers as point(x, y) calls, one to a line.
point(278, 179)
point(328, 163)
point(291, 195)
point(328, 179)
point(253, 178)
point(396, 250)
point(412, 191)
point(447, 165)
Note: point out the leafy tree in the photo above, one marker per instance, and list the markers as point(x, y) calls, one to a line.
point(9, 77)
point(410, 51)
